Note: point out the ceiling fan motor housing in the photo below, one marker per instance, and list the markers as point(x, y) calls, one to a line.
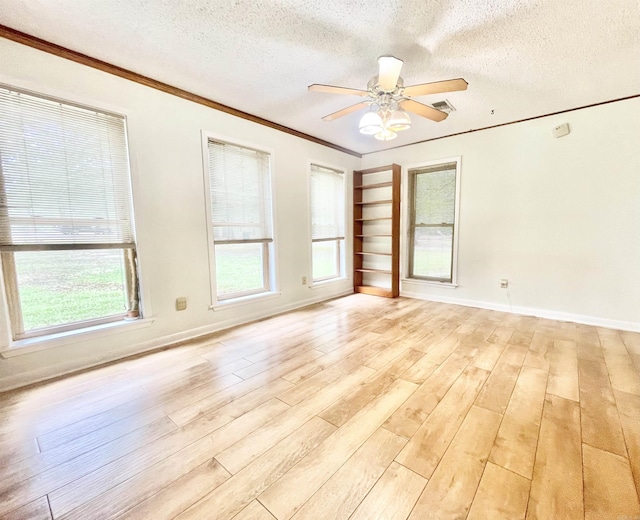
point(375, 90)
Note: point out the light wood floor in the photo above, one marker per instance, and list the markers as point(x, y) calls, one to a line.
point(359, 408)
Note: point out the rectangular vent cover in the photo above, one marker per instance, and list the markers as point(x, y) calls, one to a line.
point(444, 106)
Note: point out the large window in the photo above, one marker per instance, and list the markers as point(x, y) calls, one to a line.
point(66, 233)
point(241, 231)
point(327, 223)
point(433, 221)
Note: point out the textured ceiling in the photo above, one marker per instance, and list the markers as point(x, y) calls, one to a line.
point(522, 58)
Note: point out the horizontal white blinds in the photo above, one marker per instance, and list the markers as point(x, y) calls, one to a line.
point(64, 176)
point(327, 203)
point(240, 185)
point(434, 195)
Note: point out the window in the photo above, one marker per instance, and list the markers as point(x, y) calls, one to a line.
point(432, 221)
point(241, 235)
point(66, 233)
point(327, 223)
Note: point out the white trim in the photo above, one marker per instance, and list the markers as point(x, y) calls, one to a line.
point(596, 321)
point(309, 269)
point(330, 281)
point(429, 283)
point(244, 300)
point(274, 258)
point(404, 217)
point(236, 321)
point(348, 229)
point(206, 192)
point(63, 328)
point(48, 372)
point(138, 222)
point(5, 320)
point(58, 339)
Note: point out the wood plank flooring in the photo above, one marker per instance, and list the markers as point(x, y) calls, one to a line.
point(358, 408)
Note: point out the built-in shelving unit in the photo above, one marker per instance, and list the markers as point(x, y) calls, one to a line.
point(376, 210)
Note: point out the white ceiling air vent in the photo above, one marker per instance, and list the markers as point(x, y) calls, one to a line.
point(444, 106)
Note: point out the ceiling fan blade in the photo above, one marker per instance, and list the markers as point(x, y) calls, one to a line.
point(388, 72)
point(423, 110)
point(450, 85)
point(330, 89)
point(345, 111)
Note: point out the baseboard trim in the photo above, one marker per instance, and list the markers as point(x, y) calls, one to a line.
point(529, 311)
point(181, 337)
point(48, 373)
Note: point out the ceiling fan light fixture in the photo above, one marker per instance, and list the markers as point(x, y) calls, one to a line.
point(390, 101)
point(386, 135)
point(398, 121)
point(371, 123)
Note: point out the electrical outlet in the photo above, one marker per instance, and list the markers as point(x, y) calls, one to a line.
point(181, 303)
point(304, 280)
point(504, 283)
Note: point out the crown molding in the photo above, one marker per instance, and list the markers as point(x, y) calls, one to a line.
point(83, 59)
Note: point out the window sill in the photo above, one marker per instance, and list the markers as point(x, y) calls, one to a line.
point(444, 285)
point(243, 300)
point(325, 283)
point(30, 345)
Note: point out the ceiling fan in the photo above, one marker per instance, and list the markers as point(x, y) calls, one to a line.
point(389, 100)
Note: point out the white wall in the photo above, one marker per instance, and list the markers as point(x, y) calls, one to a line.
point(165, 146)
point(559, 218)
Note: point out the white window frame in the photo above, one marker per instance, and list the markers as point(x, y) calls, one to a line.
point(341, 251)
point(406, 223)
point(12, 343)
point(269, 253)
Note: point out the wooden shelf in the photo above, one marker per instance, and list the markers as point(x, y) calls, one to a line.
point(372, 253)
point(371, 270)
point(373, 290)
point(381, 177)
point(372, 186)
point(371, 203)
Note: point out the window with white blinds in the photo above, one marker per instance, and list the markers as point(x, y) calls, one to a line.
point(432, 222)
point(327, 203)
point(239, 180)
point(65, 176)
point(240, 193)
point(327, 222)
point(66, 233)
